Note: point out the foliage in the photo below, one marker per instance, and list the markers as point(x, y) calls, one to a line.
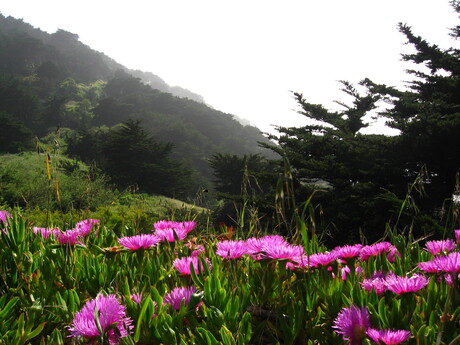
point(51, 182)
point(51, 82)
point(260, 298)
point(428, 116)
point(366, 176)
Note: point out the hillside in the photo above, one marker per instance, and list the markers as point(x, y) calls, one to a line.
point(54, 81)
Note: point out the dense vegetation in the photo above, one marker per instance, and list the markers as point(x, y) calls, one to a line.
point(55, 89)
point(136, 138)
point(187, 284)
point(90, 254)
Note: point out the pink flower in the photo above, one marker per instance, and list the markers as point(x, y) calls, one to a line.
point(69, 237)
point(111, 316)
point(183, 265)
point(388, 337)
point(377, 249)
point(231, 249)
point(440, 247)
point(85, 226)
point(137, 242)
point(347, 251)
point(197, 249)
point(322, 259)
point(44, 232)
point(344, 271)
point(298, 262)
point(400, 285)
point(457, 236)
point(281, 251)
point(376, 281)
point(136, 297)
point(178, 296)
point(4, 215)
point(449, 263)
point(171, 235)
point(352, 323)
point(255, 245)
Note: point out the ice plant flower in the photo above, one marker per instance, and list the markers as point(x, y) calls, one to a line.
point(348, 251)
point(449, 264)
point(171, 231)
point(44, 232)
point(440, 247)
point(70, 237)
point(231, 249)
point(4, 215)
point(109, 313)
point(143, 241)
point(183, 265)
point(352, 323)
point(136, 297)
point(85, 226)
point(376, 282)
point(197, 249)
point(457, 236)
point(322, 259)
point(388, 337)
point(255, 246)
point(281, 251)
point(400, 285)
point(378, 248)
point(178, 296)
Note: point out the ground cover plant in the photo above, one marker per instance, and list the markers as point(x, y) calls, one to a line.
point(174, 283)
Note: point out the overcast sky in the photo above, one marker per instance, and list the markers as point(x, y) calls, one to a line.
point(246, 56)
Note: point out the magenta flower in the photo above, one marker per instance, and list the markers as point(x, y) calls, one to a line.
point(171, 231)
point(69, 237)
point(178, 296)
point(197, 249)
point(143, 241)
point(255, 246)
point(231, 249)
point(449, 264)
point(110, 314)
point(376, 282)
point(322, 259)
point(283, 251)
point(4, 215)
point(400, 285)
point(352, 323)
point(171, 235)
point(85, 226)
point(377, 249)
point(136, 297)
point(457, 236)
point(301, 261)
point(44, 232)
point(183, 265)
point(388, 337)
point(440, 247)
point(347, 251)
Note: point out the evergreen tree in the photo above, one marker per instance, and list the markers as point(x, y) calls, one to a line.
point(132, 157)
point(428, 115)
point(350, 168)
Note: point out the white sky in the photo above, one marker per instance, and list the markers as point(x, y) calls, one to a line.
point(246, 56)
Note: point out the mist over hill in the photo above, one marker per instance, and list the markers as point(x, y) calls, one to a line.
point(54, 81)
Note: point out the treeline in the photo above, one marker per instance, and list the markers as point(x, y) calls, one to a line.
point(59, 95)
point(347, 184)
point(353, 185)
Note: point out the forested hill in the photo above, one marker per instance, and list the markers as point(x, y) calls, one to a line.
point(50, 81)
